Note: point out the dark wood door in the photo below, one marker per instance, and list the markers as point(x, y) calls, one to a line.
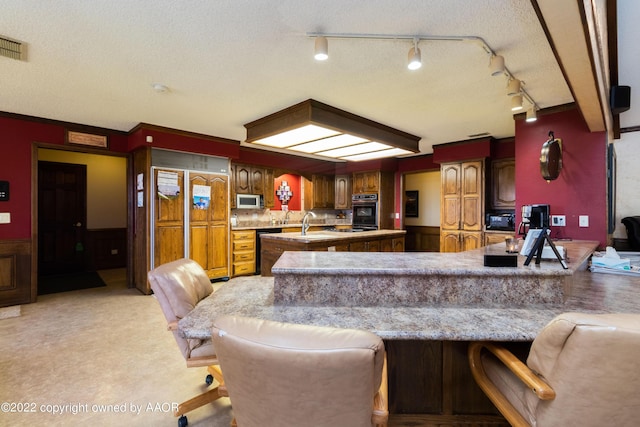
point(62, 213)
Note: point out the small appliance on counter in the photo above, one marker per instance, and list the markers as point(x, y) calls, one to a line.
point(534, 217)
point(500, 221)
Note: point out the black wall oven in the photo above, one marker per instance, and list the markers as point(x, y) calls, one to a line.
point(365, 211)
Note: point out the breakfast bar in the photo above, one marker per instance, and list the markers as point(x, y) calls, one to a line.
point(426, 343)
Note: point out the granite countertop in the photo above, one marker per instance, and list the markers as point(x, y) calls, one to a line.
point(328, 235)
point(421, 263)
point(253, 296)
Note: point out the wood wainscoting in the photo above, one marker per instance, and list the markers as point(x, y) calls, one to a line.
point(16, 280)
point(422, 239)
point(106, 248)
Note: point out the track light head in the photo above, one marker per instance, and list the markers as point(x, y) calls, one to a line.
point(415, 60)
point(513, 87)
point(496, 65)
point(531, 114)
point(516, 103)
point(321, 51)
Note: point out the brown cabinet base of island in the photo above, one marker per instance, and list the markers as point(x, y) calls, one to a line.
point(272, 245)
point(431, 384)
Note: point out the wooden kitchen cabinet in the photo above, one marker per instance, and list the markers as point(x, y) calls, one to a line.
point(366, 182)
point(323, 191)
point(250, 179)
point(209, 227)
point(492, 237)
point(503, 184)
point(458, 241)
point(462, 205)
point(243, 243)
point(343, 192)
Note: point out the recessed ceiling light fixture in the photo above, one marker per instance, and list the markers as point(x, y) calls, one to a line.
point(497, 65)
point(312, 127)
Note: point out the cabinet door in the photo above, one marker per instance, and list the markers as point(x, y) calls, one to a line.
point(257, 179)
point(386, 245)
point(243, 177)
point(398, 244)
point(503, 184)
point(269, 190)
point(208, 225)
point(169, 221)
point(471, 241)
point(371, 182)
point(373, 246)
point(450, 207)
point(343, 192)
point(358, 182)
point(472, 195)
point(492, 237)
point(450, 241)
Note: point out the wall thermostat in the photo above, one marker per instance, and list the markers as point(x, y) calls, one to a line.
point(4, 191)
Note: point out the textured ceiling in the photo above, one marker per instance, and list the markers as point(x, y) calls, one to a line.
point(230, 62)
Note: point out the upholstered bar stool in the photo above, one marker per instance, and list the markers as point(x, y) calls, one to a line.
point(582, 370)
point(178, 286)
point(281, 374)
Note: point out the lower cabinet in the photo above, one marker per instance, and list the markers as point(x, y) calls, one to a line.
point(491, 237)
point(458, 241)
point(243, 244)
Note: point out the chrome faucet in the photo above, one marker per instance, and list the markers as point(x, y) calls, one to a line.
point(286, 217)
point(305, 222)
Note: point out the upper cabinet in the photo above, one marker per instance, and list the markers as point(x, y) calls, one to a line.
point(503, 184)
point(251, 179)
point(366, 182)
point(343, 192)
point(319, 192)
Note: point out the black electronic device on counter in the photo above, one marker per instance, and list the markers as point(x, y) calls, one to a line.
point(500, 221)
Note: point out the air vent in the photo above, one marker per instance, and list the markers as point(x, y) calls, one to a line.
point(478, 135)
point(12, 49)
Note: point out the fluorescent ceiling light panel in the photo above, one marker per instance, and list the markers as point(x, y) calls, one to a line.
point(354, 149)
point(328, 143)
point(392, 152)
point(312, 127)
point(296, 136)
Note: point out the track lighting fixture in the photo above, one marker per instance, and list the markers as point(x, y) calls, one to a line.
point(513, 87)
point(415, 60)
point(516, 103)
point(496, 65)
point(531, 114)
point(321, 49)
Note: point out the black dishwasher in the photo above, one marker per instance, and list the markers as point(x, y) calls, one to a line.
point(259, 232)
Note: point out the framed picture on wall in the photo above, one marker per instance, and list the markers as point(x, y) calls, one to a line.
point(411, 204)
point(87, 139)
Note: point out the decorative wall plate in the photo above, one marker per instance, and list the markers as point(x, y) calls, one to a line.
point(551, 158)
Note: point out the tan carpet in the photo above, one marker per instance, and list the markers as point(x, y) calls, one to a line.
point(97, 351)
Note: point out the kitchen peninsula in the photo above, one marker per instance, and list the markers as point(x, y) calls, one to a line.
point(427, 343)
point(347, 240)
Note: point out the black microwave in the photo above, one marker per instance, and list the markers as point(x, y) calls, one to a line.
point(500, 221)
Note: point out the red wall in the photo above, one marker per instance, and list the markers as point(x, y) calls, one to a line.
point(294, 182)
point(581, 187)
point(16, 137)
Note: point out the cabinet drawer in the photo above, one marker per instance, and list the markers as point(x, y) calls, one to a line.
point(243, 256)
point(244, 245)
point(243, 235)
point(244, 268)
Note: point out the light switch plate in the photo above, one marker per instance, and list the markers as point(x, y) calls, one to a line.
point(583, 220)
point(5, 218)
